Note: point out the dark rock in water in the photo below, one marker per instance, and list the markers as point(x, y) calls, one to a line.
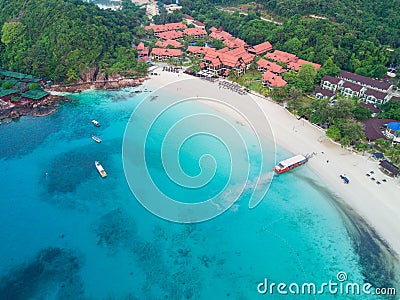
point(52, 271)
point(14, 114)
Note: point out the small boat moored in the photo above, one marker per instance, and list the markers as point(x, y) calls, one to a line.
point(96, 138)
point(96, 123)
point(100, 169)
point(290, 163)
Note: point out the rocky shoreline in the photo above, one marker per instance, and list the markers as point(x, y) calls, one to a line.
point(108, 84)
point(50, 103)
point(44, 107)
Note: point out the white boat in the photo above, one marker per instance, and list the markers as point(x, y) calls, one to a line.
point(96, 123)
point(290, 163)
point(100, 169)
point(96, 138)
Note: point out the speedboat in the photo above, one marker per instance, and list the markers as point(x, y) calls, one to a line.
point(96, 138)
point(100, 169)
point(96, 123)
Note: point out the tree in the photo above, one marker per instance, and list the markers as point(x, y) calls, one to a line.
point(343, 108)
point(334, 133)
point(7, 85)
point(33, 86)
point(306, 77)
point(361, 113)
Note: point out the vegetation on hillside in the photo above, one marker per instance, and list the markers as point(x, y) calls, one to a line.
point(356, 42)
point(61, 39)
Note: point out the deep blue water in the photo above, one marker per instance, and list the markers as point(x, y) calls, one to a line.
point(68, 234)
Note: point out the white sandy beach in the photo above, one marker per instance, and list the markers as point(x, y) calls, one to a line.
point(377, 204)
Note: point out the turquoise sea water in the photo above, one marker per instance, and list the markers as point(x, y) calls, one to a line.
point(68, 234)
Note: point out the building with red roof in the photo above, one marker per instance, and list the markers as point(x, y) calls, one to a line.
point(195, 32)
point(165, 27)
point(199, 51)
point(165, 44)
point(264, 65)
point(164, 54)
point(298, 62)
point(224, 60)
point(260, 48)
point(292, 61)
point(229, 40)
point(281, 56)
point(170, 35)
point(272, 80)
point(142, 50)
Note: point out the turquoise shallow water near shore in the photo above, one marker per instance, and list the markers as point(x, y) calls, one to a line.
point(68, 234)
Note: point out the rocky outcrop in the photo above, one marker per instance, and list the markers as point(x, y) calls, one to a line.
point(109, 84)
point(43, 107)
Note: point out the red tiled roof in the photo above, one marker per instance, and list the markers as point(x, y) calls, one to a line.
point(261, 48)
point(281, 56)
point(173, 43)
point(273, 80)
point(194, 31)
point(144, 58)
point(165, 27)
point(170, 35)
point(220, 35)
point(297, 63)
point(234, 42)
point(166, 52)
point(140, 46)
point(271, 66)
point(199, 50)
point(223, 50)
point(212, 29)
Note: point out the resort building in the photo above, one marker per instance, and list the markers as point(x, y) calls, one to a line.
point(292, 61)
point(195, 32)
point(165, 27)
point(272, 80)
point(367, 82)
point(281, 56)
point(229, 40)
point(142, 50)
point(165, 44)
point(170, 35)
point(264, 65)
point(170, 8)
point(198, 24)
point(349, 89)
point(222, 62)
point(191, 21)
point(165, 54)
point(375, 97)
point(323, 94)
point(199, 51)
point(389, 168)
point(392, 131)
point(260, 48)
point(330, 83)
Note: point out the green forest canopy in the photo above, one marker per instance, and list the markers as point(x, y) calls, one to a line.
point(358, 42)
point(61, 39)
